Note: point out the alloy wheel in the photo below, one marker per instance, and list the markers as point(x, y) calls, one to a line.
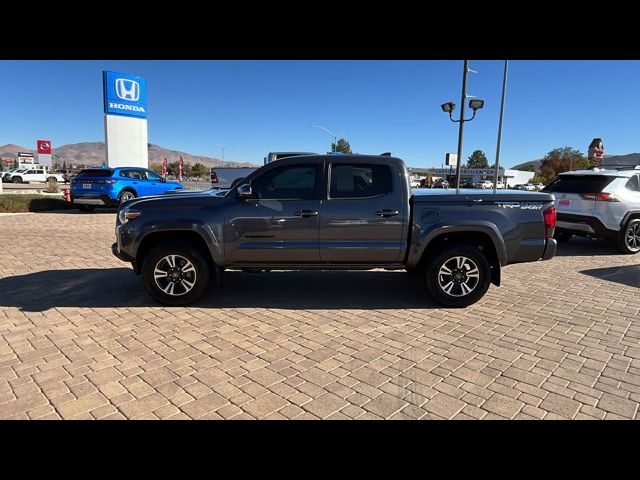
point(632, 237)
point(458, 276)
point(175, 275)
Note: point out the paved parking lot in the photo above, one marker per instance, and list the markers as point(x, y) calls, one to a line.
point(79, 338)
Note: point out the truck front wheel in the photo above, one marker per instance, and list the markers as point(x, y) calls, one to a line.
point(458, 276)
point(175, 274)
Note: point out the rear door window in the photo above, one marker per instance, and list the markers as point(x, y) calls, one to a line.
point(133, 174)
point(359, 180)
point(579, 183)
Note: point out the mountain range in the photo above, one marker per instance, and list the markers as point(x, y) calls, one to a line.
point(93, 154)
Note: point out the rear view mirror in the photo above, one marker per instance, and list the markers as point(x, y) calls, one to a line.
point(244, 191)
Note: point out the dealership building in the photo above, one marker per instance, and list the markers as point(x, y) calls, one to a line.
point(474, 175)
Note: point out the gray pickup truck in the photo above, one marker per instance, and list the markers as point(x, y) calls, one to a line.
point(331, 212)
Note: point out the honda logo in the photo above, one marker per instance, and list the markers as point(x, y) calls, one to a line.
point(127, 89)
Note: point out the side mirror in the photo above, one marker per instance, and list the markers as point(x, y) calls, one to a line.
point(244, 191)
point(163, 180)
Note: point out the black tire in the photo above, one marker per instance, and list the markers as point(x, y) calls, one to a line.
point(125, 196)
point(456, 296)
point(52, 179)
point(562, 237)
point(86, 208)
point(157, 259)
point(629, 240)
point(16, 180)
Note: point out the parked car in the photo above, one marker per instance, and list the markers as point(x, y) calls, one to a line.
point(36, 173)
point(6, 176)
point(440, 183)
point(107, 187)
point(518, 186)
point(538, 186)
point(483, 184)
point(530, 187)
point(599, 203)
point(333, 212)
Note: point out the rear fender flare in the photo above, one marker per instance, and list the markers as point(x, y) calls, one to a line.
point(427, 236)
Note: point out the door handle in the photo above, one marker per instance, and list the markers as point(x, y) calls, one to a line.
point(306, 213)
point(387, 213)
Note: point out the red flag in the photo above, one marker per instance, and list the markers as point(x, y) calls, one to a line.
point(180, 169)
point(164, 169)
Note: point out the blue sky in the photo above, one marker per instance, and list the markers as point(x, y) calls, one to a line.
point(262, 106)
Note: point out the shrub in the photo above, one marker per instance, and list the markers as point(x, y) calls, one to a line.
point(16, 203)
point(52, 186)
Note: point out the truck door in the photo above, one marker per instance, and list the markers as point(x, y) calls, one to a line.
point(365, 214)
point(280, 224)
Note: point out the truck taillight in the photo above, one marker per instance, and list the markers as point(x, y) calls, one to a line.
point(549, 222)
point(600, 196)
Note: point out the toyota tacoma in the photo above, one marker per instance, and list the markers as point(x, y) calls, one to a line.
point(329, 212)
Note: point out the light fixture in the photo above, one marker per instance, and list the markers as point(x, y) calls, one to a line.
point(448, 107)
point(476, 104)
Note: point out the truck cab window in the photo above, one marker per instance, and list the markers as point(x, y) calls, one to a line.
point(287, 183)
point(359, 181)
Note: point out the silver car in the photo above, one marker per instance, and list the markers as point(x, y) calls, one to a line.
point(599, 203)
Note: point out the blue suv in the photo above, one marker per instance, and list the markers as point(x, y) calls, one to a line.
point(108, 187)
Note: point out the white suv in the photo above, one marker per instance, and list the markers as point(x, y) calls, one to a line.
point(36, 173)
point(599, 203)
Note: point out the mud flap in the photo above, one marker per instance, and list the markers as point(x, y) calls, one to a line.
point(219, 271)
point(496, 274)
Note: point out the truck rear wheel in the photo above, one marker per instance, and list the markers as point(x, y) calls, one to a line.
point(175, 274)
point(458, 276)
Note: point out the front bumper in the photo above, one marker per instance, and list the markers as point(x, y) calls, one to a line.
point(120, 254)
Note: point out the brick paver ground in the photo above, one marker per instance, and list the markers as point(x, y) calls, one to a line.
point(79, 338)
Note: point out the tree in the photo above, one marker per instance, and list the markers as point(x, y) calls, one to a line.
point(199, 170)
point(478, 160)
point(172, 168)
point(561, 160)
point(156, 167)
point(527, 168)
point(343, 146)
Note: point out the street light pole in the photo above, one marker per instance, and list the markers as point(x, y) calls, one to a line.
point(335, 137)
point(223, 148)
point(460, 131)
point(504, 90)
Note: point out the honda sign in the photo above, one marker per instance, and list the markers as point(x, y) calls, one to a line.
point(125, 94)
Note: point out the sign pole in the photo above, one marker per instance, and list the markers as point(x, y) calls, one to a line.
point(504, 90)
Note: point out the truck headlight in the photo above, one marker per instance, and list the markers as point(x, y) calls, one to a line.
point(126, 214)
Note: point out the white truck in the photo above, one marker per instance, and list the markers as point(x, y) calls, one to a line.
point(36, 173)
